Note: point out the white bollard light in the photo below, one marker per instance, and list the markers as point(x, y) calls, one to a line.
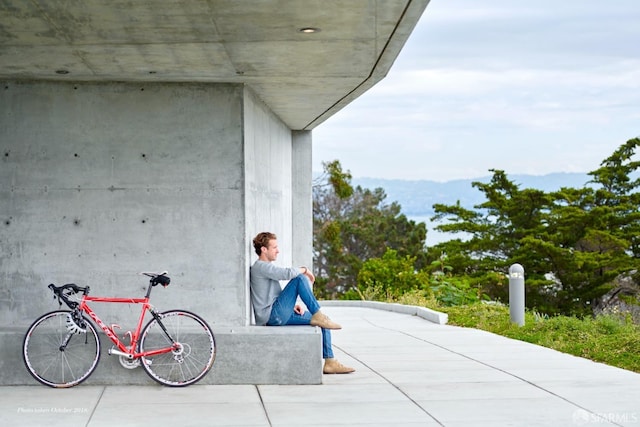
point(516, 294)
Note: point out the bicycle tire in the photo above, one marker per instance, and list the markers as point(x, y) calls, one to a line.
point(53, 366)
point(192, 363)
point(197, 343)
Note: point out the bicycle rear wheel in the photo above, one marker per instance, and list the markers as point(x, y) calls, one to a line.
point(57, 353)
point(193, 358)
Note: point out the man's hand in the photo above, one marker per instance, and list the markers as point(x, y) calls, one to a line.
point(309, 274)
point(298, 309)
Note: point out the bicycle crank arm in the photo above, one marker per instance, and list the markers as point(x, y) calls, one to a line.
point(113, 351)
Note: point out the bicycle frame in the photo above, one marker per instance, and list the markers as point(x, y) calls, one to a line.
point(130, 351)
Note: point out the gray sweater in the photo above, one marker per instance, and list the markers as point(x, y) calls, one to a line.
point(265, 287)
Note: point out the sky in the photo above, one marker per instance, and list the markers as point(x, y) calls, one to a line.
point(527, 87)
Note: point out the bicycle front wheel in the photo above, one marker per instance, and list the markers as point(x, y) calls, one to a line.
point(59, 354)
point(194, 352)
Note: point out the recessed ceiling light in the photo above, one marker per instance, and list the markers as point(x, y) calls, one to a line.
point(309, 30)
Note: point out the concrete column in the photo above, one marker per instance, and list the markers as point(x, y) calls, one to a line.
point(302, 207)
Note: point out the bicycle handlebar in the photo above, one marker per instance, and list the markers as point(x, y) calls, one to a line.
point(72, 288)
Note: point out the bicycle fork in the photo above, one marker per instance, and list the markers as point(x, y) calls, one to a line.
point(66, 340)
point(75, 325)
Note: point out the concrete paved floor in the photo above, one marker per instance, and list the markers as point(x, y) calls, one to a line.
point(410, 372)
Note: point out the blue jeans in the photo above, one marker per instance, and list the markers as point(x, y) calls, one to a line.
point(282, 310)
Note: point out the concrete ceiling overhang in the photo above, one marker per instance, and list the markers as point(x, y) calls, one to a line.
point(304, 77)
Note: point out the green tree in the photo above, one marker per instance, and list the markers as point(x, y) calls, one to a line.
point(618, 197)
point(572, 242)
point(599, 227)
point(352, 225)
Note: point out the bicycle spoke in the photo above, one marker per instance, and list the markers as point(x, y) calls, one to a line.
point(54, 367)
point(191, 361)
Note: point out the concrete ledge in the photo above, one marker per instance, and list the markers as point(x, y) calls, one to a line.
point(268, 355)
point(425, 313)
point(244, 355)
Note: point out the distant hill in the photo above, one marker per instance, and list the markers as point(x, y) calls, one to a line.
point(418, 197)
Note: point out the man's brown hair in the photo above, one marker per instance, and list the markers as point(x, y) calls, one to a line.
point(262, 240)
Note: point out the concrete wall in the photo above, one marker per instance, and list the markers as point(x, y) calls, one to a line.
point(101, 181)
point(268, 175)
point(268, 178)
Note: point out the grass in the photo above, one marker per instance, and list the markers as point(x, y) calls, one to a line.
point(607, 339)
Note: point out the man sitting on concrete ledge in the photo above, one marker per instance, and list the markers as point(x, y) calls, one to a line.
point(274, 306)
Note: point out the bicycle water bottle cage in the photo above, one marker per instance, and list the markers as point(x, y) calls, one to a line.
point(161, 280)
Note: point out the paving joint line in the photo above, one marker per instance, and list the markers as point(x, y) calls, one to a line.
point(95, 407)
point(264, 408)
point(392, 384)
point(599, 416)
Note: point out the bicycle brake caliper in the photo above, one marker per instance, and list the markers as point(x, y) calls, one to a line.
point(75, 323)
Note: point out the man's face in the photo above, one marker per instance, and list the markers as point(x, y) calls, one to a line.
point(271, 252)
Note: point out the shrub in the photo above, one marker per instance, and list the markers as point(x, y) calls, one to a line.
point(389, 277)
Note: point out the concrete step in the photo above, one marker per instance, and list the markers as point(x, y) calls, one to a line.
point(244, 355)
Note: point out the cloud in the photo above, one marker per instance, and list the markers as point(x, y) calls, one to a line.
point(555, 82)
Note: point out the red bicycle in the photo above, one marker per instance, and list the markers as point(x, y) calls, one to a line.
point(61, 349)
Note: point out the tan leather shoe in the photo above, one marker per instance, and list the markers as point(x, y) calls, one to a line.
point(332, 366)
point(319, 319)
